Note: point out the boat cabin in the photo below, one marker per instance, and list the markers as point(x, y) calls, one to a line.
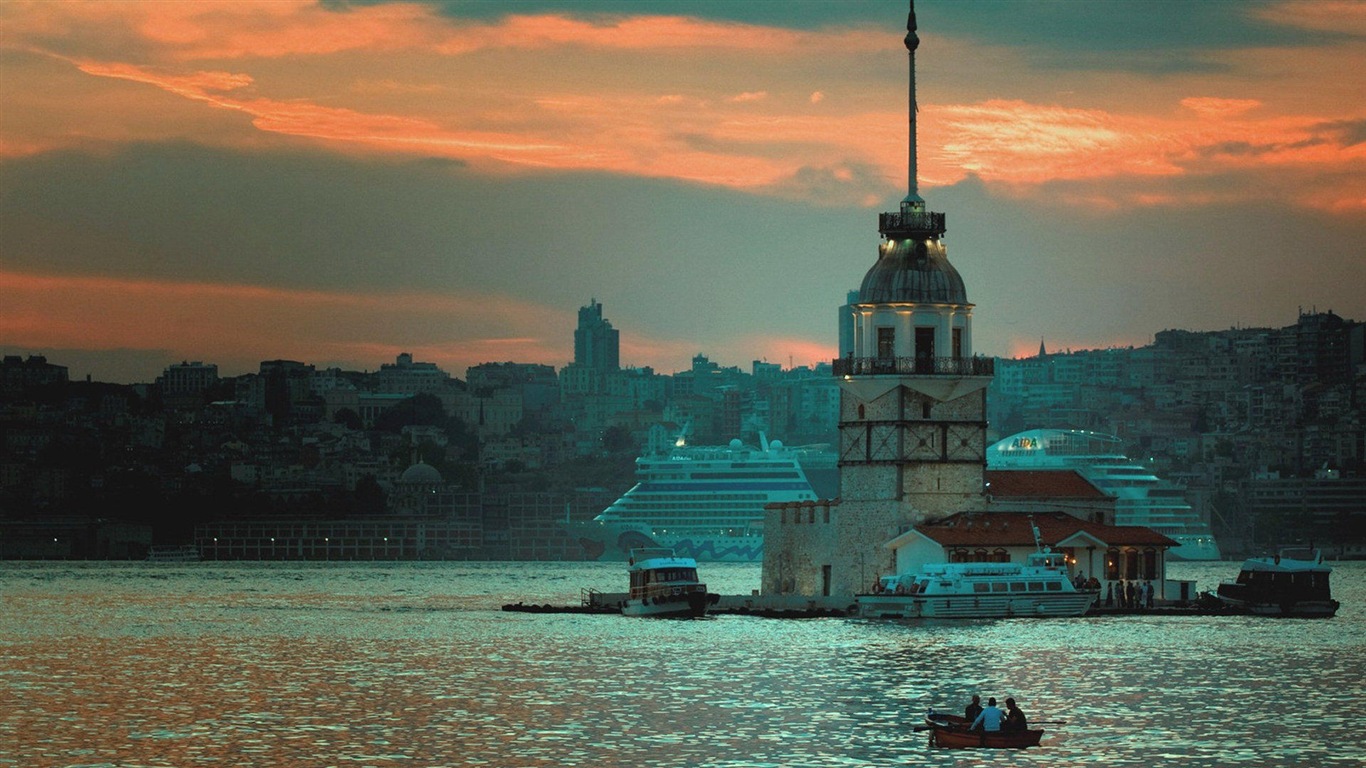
point(1076, 547)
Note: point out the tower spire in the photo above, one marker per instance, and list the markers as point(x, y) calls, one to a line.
point(912, 180)
point(913, 220)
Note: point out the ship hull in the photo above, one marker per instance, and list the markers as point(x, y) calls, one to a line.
point(613, 542)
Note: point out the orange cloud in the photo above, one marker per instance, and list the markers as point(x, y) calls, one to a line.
point(699, 101)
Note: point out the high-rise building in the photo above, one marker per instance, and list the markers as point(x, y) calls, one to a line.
point(597, 345)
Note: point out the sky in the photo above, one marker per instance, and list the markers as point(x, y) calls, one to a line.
point(341, 182)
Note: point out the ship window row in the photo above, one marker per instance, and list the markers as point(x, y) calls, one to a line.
point(1017, 586)
point(745, 475)
point(979, 556)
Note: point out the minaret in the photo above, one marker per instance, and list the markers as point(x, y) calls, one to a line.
point(912, 431)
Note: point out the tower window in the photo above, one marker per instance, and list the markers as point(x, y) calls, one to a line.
point(924, 410)
point(886, 343)
point(957, 343)
point(924, 349)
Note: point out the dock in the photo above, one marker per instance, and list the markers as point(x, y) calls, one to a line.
point(774, 607)
point(802, 607)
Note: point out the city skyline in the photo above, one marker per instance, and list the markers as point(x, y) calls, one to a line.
point(337, 184)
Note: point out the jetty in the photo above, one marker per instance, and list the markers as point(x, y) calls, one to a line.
point(801, 607)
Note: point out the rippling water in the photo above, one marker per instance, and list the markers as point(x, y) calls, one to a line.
point(361, 664)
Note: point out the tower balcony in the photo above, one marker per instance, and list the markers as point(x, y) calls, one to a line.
point(914, 366)
point(911, 222)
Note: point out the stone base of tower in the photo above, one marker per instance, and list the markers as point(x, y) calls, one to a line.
point(838, 548)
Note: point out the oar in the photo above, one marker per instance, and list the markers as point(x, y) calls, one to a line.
point(1048, 722)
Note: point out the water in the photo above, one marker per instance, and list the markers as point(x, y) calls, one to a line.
point(363, 664)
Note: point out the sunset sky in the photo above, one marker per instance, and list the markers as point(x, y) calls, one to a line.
point(339, 182)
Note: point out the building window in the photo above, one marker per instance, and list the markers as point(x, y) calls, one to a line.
point(957, 343)
point(1112, 564)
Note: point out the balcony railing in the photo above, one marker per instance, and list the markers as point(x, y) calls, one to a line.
point(914, 366)
point(910, 221)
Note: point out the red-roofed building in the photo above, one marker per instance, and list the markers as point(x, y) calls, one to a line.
point(1048, 490)
point(1106, 552)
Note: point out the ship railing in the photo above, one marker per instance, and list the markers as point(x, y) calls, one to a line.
point(589, 597)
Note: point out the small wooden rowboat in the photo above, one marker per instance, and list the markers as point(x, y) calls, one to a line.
point(951, 732)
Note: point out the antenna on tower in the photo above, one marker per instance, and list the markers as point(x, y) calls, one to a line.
point(912, 175)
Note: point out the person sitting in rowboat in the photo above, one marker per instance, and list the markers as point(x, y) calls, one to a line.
point(974, 709)
point(989, 718)
point(1015, 718)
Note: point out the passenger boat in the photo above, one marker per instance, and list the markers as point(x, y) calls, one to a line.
point(1037, 587)
point(1292, 583)
point(663, 584)
point(952, 732)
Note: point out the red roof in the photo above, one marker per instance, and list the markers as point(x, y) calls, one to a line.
point(1041, 483)
point(1012, 529)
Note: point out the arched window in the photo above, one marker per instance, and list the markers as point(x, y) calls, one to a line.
point(1149, 563)
point(1131, 564)
point(860, 411)
point(1112, 564)
point(1000, 555)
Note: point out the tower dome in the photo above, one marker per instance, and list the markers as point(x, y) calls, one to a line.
point(913, 271)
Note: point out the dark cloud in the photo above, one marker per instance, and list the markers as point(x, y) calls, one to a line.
point(672, 262)
point(1349, 132)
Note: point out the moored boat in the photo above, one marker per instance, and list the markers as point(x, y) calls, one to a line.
point(952, 732)
point(663, 584)
point(1040, 586)
point(1292, 583)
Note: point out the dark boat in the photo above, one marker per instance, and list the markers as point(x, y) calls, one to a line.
point(1291, 584)
point(951, 732)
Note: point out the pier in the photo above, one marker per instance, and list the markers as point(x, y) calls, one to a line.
point(800, 607)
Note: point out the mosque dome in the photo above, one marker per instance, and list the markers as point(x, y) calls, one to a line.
point(420, 474)
point(913, 271)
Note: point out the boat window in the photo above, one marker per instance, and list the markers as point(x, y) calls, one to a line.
point(1017, 586)
point(1054, 586)
point(924, 585)
point(981, 586)
point(1036, 586)
point(1000, 586)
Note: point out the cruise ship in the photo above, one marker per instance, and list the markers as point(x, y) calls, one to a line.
point(1141, 497)
point(707, 502)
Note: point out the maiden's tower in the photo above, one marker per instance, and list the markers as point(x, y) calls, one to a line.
point(912, 429)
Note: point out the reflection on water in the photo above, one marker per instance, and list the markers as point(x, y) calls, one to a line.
point(413, 664)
